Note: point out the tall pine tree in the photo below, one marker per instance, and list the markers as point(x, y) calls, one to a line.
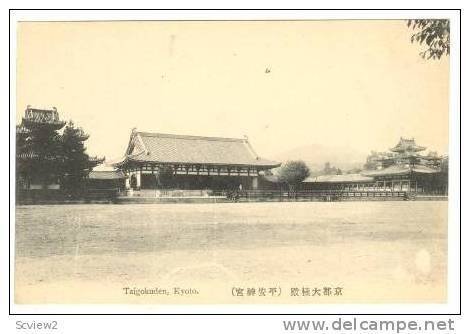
point(45, 156)
point(76, 164)
point(38, 146)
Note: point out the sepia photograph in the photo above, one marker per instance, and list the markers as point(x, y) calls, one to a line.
point(232, 161)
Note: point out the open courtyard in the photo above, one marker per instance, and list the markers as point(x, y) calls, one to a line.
point(366, 252)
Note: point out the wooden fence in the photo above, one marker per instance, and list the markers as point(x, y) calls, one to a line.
point(313, 195)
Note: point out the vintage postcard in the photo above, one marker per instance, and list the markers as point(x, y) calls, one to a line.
point(232, 162)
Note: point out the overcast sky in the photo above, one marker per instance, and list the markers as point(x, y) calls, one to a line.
point(358, 84)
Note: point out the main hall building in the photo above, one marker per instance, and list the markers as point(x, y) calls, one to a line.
point(167, 161)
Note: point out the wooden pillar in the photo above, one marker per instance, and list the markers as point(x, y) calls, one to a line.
point(137, 177)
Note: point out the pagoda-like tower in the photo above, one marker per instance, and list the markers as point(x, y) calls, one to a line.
point(44, 118)
point(405, 168)
point(32, 160)
point(35, 120)
point(407, 146)
point(406, 152)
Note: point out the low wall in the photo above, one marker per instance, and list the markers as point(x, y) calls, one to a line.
point(111, 196)
point(157, 200)
point(275, 196)
point(58, 196)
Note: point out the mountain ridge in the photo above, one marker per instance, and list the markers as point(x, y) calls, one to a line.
point(316, 155)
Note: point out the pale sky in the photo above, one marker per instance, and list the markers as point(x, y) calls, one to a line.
point(359, 84)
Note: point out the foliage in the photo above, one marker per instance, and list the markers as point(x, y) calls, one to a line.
point(354, 171)
point(374, 159)
point(435, 34)
point(76, 163)
point(38, 147)
point(331, 170)
point(293, 173)
point(46, 156)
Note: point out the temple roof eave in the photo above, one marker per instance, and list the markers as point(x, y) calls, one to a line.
point(401, 170)
point(402, 150)
point(138, 160)
point(57, 125)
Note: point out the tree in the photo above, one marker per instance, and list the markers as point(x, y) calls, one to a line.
point(331, 170)
point(293, 173)
point(355, 170)
point(76, 164)
point(46, 156)
point(37, 153)
point(435, 34)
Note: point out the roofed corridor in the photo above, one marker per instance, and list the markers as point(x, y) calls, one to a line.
point(157, 165)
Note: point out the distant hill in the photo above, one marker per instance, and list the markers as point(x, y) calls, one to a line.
point(316, 155)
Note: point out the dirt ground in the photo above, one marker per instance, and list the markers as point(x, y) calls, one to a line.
point(306, 252)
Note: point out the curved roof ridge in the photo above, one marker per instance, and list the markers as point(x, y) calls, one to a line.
point(170, 135)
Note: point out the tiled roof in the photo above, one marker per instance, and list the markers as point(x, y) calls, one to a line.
point(106, 175)
point(105, 172)
point(400, 170)
point(168, 148)
point(425, 169)
point(407, 145)
point(345, 178)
